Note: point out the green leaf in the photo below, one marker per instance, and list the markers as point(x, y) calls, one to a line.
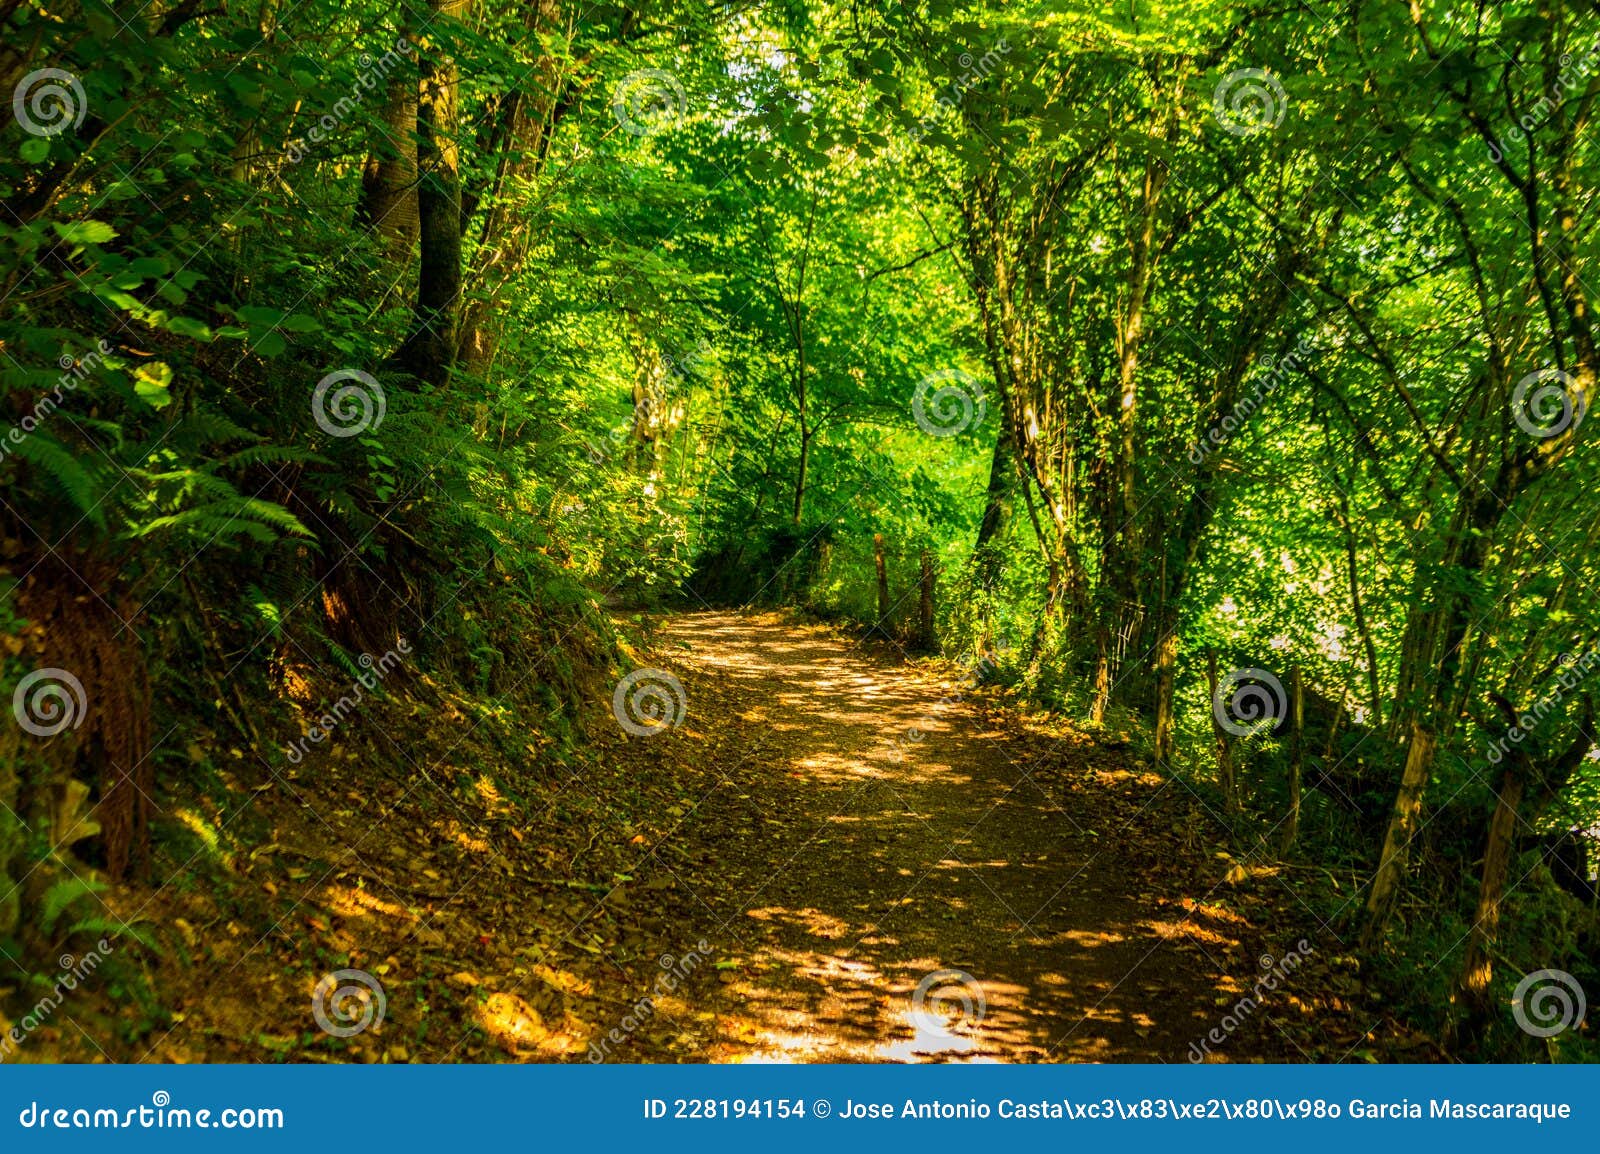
point(270, 344)
point(85, 232)
point(189, 327)
point(259, 317)
point(151, 381)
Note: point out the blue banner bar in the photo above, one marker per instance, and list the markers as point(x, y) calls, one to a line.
point(809, 1108)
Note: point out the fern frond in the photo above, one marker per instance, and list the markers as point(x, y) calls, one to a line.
point(112, 928)
point(65, 472)
point(58, 897)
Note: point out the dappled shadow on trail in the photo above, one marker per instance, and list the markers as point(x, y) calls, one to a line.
point(872, 834)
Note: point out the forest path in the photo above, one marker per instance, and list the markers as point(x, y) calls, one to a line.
point(828, 830)
point(839, 863)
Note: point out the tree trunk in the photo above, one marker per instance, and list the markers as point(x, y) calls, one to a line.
point(1102, 672)
point(248, 145)
point(1358, 611)
point(1297, 756)
point(1166, 662)
point(800, 473)
point(388, 204)
point(925, 637)
point(1480, 521)
point(883, 583)
point(1122, 536)
point(1011, 343)
point(1226, 777)
point(530, 114)
point(1522, 778)
point(430, 350)
point(1478, 971)
point(1402, 824)
point(986, 553)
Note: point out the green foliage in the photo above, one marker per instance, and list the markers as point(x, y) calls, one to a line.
point(1241, 306)
point(61, 896)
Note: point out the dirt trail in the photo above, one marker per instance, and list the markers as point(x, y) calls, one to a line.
point(837, 826)
point(842, 861)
